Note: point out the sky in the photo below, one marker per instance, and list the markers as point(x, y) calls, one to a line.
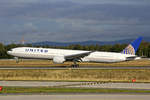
point(73, 20)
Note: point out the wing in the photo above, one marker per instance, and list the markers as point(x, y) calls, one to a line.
point(77, 56)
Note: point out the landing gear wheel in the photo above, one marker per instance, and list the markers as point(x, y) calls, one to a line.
point(75, 65)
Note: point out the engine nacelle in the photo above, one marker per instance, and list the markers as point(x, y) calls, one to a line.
point(58, 59)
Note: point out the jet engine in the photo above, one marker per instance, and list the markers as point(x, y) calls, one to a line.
point(58, 59)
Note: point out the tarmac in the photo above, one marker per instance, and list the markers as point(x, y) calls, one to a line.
point(145, 86)
point(78, 97)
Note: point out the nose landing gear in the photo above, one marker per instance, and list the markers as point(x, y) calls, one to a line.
point(17, 59)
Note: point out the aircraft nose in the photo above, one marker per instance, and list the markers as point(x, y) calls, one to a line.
point(8, 52)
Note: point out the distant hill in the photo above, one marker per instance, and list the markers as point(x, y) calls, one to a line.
point(91, 42)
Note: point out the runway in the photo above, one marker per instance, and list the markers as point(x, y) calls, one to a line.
point(78, 97)
point(62, 67)
point(145, 86)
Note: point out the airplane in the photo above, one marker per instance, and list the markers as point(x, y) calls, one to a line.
point(59, 56)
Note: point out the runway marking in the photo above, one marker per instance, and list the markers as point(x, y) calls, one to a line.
point(107, 85)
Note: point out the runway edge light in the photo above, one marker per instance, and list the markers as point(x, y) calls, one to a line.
point(133, 80)
point(1, 88)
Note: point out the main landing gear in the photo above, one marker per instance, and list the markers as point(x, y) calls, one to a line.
point(75, 65)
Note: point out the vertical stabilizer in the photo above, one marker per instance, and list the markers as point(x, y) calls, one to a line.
point(133, 47)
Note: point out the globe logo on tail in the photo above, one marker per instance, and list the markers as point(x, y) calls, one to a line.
point(129, 50)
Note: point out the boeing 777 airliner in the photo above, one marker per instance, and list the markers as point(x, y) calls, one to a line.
point(62, 55)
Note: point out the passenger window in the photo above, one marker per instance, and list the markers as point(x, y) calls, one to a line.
point(26, 50)
point(45, 51)
point(31, 50)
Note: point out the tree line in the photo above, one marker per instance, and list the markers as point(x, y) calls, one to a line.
point(144, 49)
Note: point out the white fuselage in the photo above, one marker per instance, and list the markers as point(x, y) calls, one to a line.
point(47, 53)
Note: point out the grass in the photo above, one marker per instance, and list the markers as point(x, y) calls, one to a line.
point(49, 63)
point(8, 90)
point(105, 75)
point(113, 75)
